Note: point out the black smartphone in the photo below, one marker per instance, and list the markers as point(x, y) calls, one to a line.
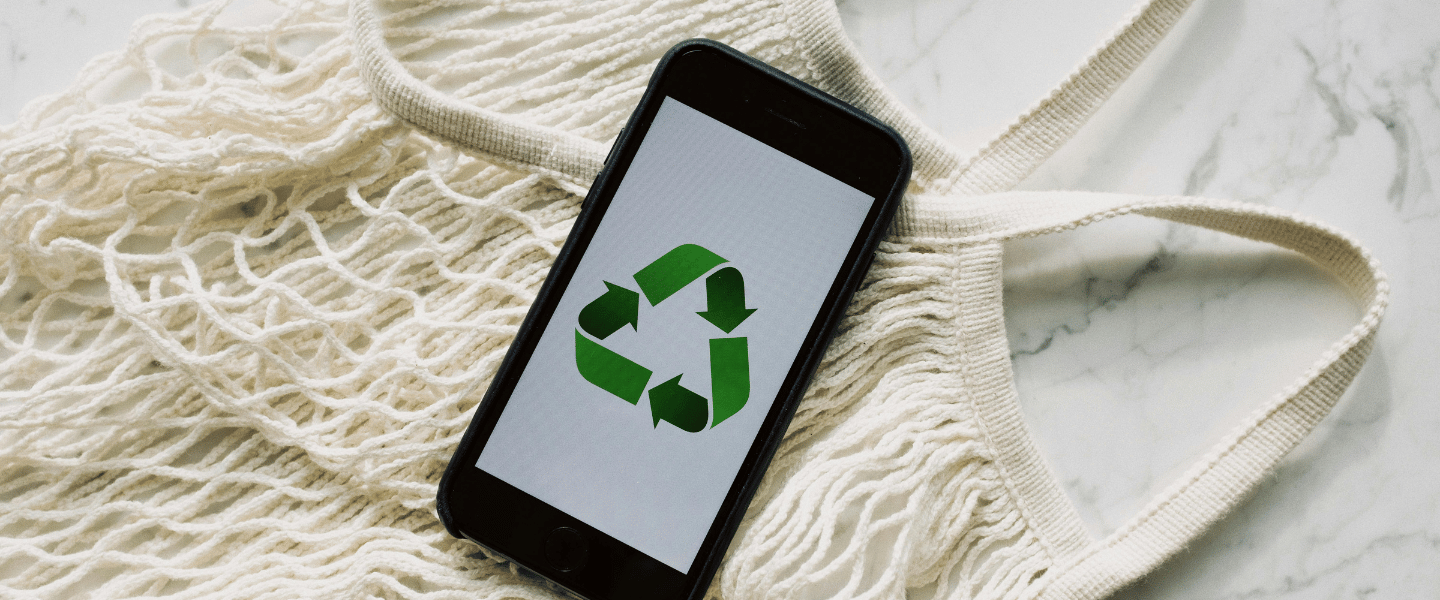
point(634, 415)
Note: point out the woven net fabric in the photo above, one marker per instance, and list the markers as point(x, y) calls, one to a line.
point(245, 316)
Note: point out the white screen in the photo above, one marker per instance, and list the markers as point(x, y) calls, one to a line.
point(785, 226)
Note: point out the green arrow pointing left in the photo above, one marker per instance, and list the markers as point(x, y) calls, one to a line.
point(680, 407)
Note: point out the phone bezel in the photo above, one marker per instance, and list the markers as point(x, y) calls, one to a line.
point(769, 106)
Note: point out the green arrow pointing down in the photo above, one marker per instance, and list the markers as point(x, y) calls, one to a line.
point(725, 300)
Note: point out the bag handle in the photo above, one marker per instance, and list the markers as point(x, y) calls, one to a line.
point(1027, 142)
point(506, 140)
point(1031, 139)
point(1217, 482)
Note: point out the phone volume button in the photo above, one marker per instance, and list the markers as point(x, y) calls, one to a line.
point(615, 145)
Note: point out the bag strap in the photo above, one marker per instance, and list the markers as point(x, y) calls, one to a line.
point(504, 139)
point(1218, 481)
point(1035, 136)
point(1027, 142)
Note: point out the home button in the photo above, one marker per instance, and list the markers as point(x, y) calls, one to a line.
point(566, 549)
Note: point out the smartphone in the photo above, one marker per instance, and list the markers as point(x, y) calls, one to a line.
point(643, 397)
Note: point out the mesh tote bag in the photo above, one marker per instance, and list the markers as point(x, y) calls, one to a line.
point(249, 306)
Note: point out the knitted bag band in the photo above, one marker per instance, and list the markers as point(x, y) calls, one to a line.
point(998, 166)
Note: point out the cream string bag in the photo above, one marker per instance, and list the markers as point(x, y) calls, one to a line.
point(248, 311)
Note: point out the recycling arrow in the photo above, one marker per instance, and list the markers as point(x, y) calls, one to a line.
point(617, 308)
point(725, 295)
point(610, 371)
point(672, 403)
point(675, 270)
point(729, 376)
point(729, 383)
point(729, 356)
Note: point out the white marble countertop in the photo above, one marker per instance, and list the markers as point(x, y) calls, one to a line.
point(1138, 345)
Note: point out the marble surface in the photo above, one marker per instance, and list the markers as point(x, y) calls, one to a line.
point(1137, 345)
point(44, 43)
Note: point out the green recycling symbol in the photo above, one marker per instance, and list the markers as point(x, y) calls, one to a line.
point(729, 356)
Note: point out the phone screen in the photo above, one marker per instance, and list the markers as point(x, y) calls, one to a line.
point(652, 379)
